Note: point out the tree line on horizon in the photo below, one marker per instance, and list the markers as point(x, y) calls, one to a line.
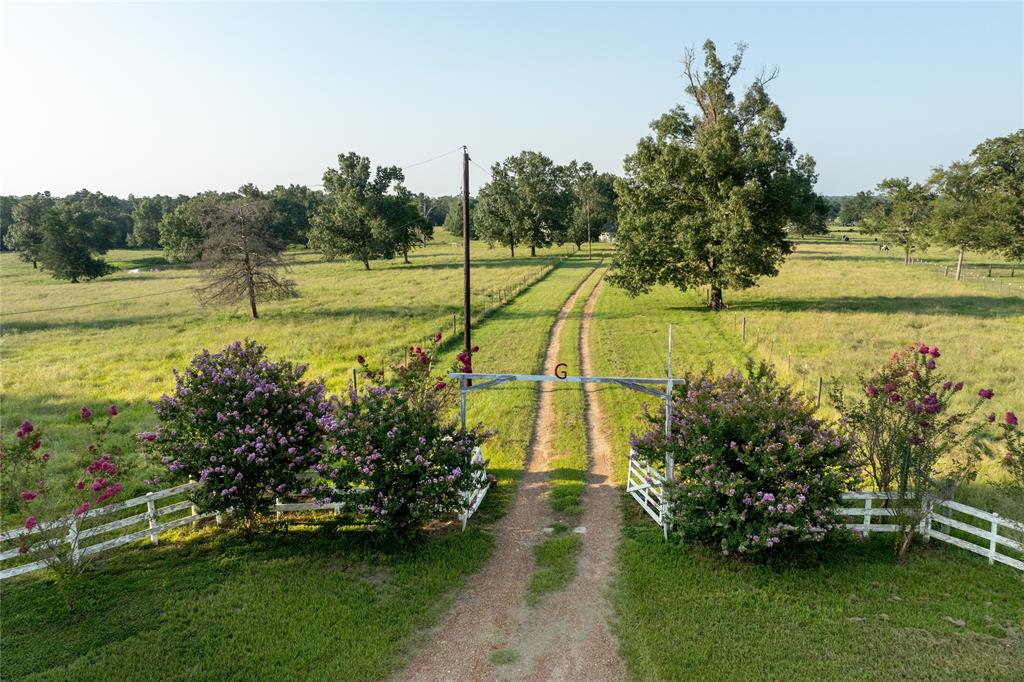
point(712, 198)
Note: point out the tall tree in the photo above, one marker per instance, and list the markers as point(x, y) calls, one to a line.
point(999, 168)
point(593, 202)
point(498, 215)
point(183, 230)
point(76, 233)
point(707, 199)
point(527, 201)
point(903, 216)
point(453, 217)
point(853, 210)
point(409, 228)
point(7, 204)
point(26, 232)
point(294, 206)
point(241, 256)
point(354, 219)
point(147, 212)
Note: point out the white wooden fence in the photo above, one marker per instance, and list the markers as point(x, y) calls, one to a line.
point(995, 539)
point(86, 539)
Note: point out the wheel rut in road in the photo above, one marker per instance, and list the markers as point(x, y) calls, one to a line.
point(567, 637)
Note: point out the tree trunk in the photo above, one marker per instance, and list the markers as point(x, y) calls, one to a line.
point(906, 255)
point(366, 264)
point(405, 256)
point(959, 263)
point(533, 250)
point(513, 247)
point(904, 546)
point(715, 298)
point(34, 265)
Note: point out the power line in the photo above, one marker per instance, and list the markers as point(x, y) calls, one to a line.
point(84, 305)
point(478, 165)
point(433, 158)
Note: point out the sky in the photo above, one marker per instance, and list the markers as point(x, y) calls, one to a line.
point(180, 98)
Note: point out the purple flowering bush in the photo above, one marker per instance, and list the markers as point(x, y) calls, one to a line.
point(396, 461)
point(244, 427)
point(914, 441)
point(755, 472)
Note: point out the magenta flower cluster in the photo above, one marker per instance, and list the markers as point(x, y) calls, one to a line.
point(755, 471)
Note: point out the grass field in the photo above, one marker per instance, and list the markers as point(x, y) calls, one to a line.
point(839, 311)
point(317, 601)
point(115, 340)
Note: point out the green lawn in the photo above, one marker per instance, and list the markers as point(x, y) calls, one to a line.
point(86, 350)
point(850, 613)
point(315, 602)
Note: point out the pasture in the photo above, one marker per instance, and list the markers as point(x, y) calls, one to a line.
point(115, 340)
point(838, 309)
point(199, 604)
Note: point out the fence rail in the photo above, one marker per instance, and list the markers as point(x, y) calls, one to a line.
point(154, 520)
point(995, 540)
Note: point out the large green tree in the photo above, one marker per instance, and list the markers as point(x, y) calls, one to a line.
point(26, 232)
point(708, 197)
point(76, 234)
point(359, 217)
point(147, 212)
point(409, 228)
point(998, 165)
point(527, 201)
point(593, 202)
point(853, 210)
point(902, 217)
point(183, 230)
point(453, 217)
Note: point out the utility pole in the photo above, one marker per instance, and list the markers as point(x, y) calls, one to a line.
point(590, 243)
point(465, 253)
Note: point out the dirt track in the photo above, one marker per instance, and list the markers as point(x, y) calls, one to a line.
point(567, 637)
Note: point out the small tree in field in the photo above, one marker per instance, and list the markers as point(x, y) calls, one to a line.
point(708, 198)
point(241, 259)
point(903, 216)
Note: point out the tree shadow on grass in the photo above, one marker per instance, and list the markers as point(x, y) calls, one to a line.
point(967, 305)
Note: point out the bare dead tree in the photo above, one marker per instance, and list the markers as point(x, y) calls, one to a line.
point(241, 258)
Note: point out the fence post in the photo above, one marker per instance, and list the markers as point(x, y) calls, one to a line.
point(945, 271)
point(867, 517)
point(72, 539)
point(819, 391)
point(193, 509)
point(355, 386)
point(277, 508)
point(151, 513)
point(990, 271)
point(992, 539)
point(744, 335)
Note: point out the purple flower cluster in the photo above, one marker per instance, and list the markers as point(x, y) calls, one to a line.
point(243, 426)
point(754, 469)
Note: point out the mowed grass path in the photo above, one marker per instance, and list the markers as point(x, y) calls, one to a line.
point(312, 602)
point(850, 612)
point(86, 348)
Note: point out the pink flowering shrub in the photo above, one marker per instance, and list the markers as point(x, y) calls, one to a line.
point(396, 461)
point(755, 472)
point(244, 427)
point(53, 516)
point(1013, 440)
point(913, 440)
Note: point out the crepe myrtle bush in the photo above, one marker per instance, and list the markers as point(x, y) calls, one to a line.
point(755, 472)
point(397, 460)
point(919, 438)
point(1013, 440)
point(244, 427)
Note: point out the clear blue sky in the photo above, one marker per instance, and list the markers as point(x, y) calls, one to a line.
point(182, 98)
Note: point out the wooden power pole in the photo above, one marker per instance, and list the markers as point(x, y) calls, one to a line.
point(465, 252)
